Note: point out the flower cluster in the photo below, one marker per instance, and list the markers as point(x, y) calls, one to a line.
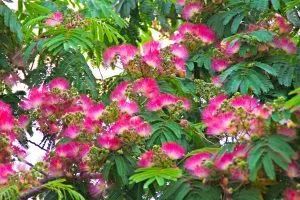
point(239, 117)
point(206, 165)
point(126, 93)
point(163, 156)
point(151, 60)
point(55, 19)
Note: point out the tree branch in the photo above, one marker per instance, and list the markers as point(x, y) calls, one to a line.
point(35, 144)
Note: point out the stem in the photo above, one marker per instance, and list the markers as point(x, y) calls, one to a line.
point(35, 144)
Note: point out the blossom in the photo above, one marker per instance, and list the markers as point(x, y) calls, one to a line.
point(285, 44)
point(219, 64)
point(126, 53)
point(97, 187)
point(180, 2)
point(23, 121)
point(146, 159)
point(197, 160)
point(291, 194)
point(128, 106)
point(238, 174)
point(293, 170)
point(72, 131)
point(179, 51)
point(282, 24)
point(173, 150)
point(216, 80)
point(109, 142)
point(154, 59)
point(246, 102)
point(290, 132)
point(191, 9)
point(144, 130)
point(95, 111)
point(6, 121)
point(229, 48)
point(120, 91)
point(151, 47)
point(55, 19)
point(223, 162)
point(56, 166)
point(59, 83)
point(147, 87)
point(200, 172)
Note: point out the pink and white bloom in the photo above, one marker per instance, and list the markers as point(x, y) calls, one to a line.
point(146, 159)
point(179, 51)
point(216, 80)
point(6, 171)
point(72, 131)
point(219, 65)
point(230, 48)
point(197, 160)
point(246, 102)
point(191, 9)
point(109, 142)
point(144, 130)
point(59, 83)
point(224, 161)
point(97, 187)
point(282, 24)
point(147, 87)
point(173, 150)
point(95, 111)
point(55, 19)
point(285, 44)
point(291, 194)
point(120, 91)
point(128, 106)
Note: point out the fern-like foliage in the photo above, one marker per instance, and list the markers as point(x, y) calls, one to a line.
point(63, 191)
point(10, 192)
point(11, 21)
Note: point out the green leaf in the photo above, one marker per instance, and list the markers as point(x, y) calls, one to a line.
point(236, 23)
point(262, 35)
point(247, 194)
point(268, 166)
point(276, 4)
point(260, 5)
point(10, 192)
point(266, 68)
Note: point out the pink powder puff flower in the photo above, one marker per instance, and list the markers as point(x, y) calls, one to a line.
point(6, 171)
point(72, 131)
point(144, 130)
point(151, 47)
point(223, 162)
point(239, 151)
point(186, 28)
point(180, 2)
point(179, 51)
point(293, 170)
point(238, 174)
point(95, 111)
point(109, 142)
point(216, 80)
point(127, 53)
point(204, 33)
point(200, 172)
point(173, 150)
point(186, 104)
point(128, 106)
point(285, 44)
point(154, 104)
point(90, 125)
point(97, 187)
point(153, 60)
point(5, 108)
point(191, 9)
point(229, 48)
point(134, 121)
point(6, 121)
point(147, 87)
point(23, 121)
point(110, 54)
point(59, 83)
point(56, 166)
point(282, 24)
point(11, 79)
point(197, 160)
point(289, 132)
point(146, 159)
point(85, 102)
point(55, 19)
point(246, 102)
point(291, 194)
point(219, 64)
point(179, 64)
point(177, 37)
point(120, 91)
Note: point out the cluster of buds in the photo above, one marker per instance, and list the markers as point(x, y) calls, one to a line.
point(240, 117)
point(205, 165)
point(162, 156)
point(153, 59)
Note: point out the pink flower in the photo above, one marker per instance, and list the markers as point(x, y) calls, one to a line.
point(223, 162)
point(248, 103)
point(197, 160)
point(6, 121)
point(153, 60)
point(219, 64)
point(177, 37)
point(72, 131)
point(128, 106)
point(179, 51)
point(240, 151)
point(95, 111)
point(6, 171)
point(179, 64)
point(151, 47)
point(216, 80)
point(191, 9)
point(120, 91)
point(127, 53)
point(109, 142)
point(146, 159)
point(282, 24)
point(293, 170)
point(144, 130)
point(97, 187)
point(55, 19)
point(5, 108)
point(180, 2)
point(229, 48)
point(147, 87)
point(238, 174)
point(110, 54)
point(291, 194)
point(205, 33)
point(23, 121)
point(59, 83)
point(173, 150)
point(200, 172)
point(85, 102)
point(290, 132)
point(285, 44)
point(56, 166)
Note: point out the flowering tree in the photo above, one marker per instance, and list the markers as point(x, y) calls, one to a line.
point(210, 111)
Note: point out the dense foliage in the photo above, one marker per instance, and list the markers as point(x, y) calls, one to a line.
point(210, 110)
